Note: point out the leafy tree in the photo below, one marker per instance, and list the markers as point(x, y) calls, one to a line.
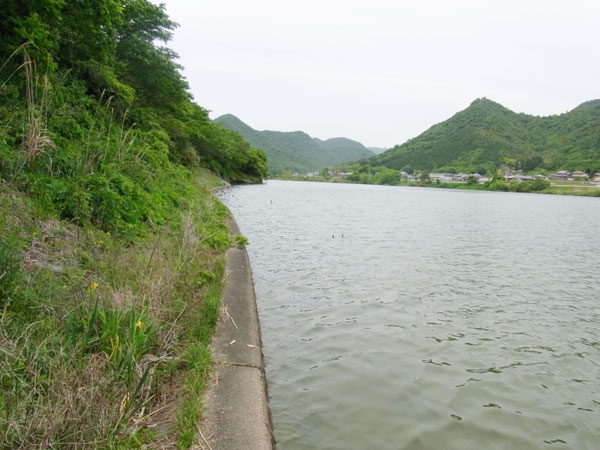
point(389, 176)
point(497, 183)
point(150, 70)
point(530, 163)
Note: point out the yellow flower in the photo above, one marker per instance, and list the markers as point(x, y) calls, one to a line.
point(139, 324)
point(93, 286)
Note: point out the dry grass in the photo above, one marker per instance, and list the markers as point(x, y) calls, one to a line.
point(60, 393)
point(37, 138)
point(65, 405)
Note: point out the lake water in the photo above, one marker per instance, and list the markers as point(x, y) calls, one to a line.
point(416, 318)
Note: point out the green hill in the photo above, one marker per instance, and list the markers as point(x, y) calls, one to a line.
point(296, 151)
point(487, 136)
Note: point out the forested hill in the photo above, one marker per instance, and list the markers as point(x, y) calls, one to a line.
point(487, 136)
point(95, 115)
point(297, 151)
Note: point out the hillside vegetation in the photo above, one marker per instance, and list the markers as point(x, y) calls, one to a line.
point(111, 243)
point(487, 137)
point(297, 151)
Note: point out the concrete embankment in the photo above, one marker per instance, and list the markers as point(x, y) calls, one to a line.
point(236, 414)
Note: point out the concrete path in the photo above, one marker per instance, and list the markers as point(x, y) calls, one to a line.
point(236, 411)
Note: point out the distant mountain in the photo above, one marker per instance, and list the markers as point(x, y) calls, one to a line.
point(297, 151)
point(487, 136)
point(377, 150)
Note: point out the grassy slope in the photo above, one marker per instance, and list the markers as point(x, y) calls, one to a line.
point(104, 344)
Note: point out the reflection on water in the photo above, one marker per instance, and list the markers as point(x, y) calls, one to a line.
point(407, 318)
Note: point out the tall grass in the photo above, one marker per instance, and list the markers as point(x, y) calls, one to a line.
point(98, 340)
point(110, 275)
point(36, 96)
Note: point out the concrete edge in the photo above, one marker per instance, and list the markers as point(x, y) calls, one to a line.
point(236, 413)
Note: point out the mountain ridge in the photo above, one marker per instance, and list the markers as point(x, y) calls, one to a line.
point(487, 136)
point(296, 151)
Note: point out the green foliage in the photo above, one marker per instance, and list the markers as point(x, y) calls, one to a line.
point(538, 185)
point(107, 49)
point(472, 180)
point(241, 241)
point(219, 240)
point(389, 176)
point(97, 170)
point(498, 183)
point(198, 358)
point(122, 336)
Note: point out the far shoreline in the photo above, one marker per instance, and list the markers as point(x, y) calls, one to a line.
point(576, 190)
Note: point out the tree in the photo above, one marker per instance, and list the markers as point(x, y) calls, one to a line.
point(472, 180)
point(388, 176)
point(149, 69)
point(528, 164)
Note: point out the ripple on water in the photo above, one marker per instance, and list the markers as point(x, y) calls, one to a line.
point(442, 319)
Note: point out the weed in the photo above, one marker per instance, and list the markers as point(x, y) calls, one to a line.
point(241, 241)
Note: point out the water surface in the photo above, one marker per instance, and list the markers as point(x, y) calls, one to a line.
point(411, 318)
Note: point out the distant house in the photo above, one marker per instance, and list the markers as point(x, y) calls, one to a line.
point(519, 177)
point(453, 177)
point(466, 176)
point(597, 176)
point(580, 174)
point(539, 176)
point(444, 177)
point(525, 178)
point(562, 175)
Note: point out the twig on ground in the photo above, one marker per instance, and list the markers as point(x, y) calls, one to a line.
point(203, 438)
point(226, 311)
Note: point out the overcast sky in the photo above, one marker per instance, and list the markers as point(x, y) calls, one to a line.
point(383, 71)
